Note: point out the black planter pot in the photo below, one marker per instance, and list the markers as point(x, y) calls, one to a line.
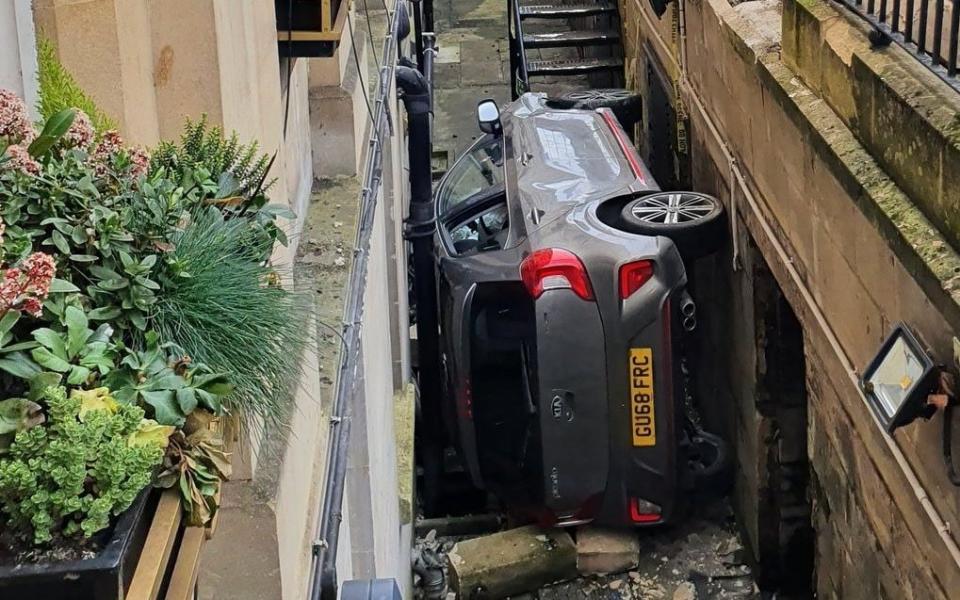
point(104, 577)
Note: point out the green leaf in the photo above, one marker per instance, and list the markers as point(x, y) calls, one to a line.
point(46, 359)
point(19, 365)
point(77, 330)
point(55, 128)
point(52, 341)
point(18, 347)
point(105, 313)
point(165, 408)
point(149, 261)
point(83, 258)
point(9, 320)
point(60, 242)
point(78, 375)
point(138, 320)
point(104, 273)
point(62, 286)
point(187, 400)
point(113, 285)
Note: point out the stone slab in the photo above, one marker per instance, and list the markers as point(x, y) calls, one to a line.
point(602, 551)
point(511, 562)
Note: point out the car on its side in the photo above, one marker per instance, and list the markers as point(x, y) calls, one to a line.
point(563, 303)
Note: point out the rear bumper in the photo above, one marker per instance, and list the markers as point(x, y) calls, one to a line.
point(607, 444)
point(644, 481)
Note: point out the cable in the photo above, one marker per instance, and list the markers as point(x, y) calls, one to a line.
point(290, 59)
point(373, 44)
point(948, 445)
point(363, 86)
point(335, 332)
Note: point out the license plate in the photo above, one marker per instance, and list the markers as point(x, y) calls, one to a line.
point(641, 397)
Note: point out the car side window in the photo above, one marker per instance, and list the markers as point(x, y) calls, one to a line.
point(479, 169)
point(483, 232)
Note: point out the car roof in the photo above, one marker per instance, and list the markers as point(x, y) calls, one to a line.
point(558, 159)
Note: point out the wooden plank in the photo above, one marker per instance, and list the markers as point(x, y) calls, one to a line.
point(326, 21)
point(157, 548)
point(187, 564)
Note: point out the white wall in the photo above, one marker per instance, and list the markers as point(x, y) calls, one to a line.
point(18, 52)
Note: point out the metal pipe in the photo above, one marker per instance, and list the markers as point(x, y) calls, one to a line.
point(418, 33)
point(419, 230)
point(689, 323)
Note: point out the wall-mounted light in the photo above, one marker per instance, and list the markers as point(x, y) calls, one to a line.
point(899, 379)
point(902, 382)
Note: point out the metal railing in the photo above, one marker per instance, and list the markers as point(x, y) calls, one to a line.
point(349, 387)
point(519, 80)
point(929, 29)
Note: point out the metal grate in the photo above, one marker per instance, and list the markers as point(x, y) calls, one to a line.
point(927, 28)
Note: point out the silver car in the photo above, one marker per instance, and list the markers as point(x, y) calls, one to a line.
point(563, 302)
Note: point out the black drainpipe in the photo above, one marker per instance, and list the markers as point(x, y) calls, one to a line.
point(420, 227)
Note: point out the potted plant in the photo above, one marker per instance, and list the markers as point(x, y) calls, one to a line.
point(138, 306)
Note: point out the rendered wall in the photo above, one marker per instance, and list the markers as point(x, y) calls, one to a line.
point(18, 55)
point(853, 255)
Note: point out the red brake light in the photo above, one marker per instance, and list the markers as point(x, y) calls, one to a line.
point(553, 268)
point(642, 511)
point(633, 276)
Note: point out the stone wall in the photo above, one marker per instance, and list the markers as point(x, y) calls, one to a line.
point(852, 249)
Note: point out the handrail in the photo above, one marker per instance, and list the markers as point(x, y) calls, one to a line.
point(323, 567)
point(519, 80)
point(909, 24)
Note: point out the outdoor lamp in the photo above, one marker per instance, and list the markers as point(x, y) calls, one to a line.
point(899, 379)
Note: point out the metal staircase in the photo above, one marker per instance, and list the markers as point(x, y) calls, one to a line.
point(564, 45)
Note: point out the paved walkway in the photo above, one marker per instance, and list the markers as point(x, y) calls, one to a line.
point(472, 64)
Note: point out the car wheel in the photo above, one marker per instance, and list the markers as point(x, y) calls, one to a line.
point(710, 463)
point(626, 105)
point(692, 220)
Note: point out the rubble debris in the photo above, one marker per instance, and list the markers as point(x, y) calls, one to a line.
point(601, 551)
point(510, 562)
point(685, 591)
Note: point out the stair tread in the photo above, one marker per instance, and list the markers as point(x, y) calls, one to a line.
point(571, 66)
point(570, 38)
point(563, 10)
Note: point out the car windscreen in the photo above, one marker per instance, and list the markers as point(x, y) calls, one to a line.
point(476, 171)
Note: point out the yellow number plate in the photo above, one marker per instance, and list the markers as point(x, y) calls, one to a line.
point(641, 397)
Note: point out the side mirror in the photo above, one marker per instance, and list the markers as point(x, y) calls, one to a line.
point(488, 117)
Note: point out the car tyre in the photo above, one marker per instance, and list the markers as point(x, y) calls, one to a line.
point(710, 464)
point(627, 106)
point(694, 221)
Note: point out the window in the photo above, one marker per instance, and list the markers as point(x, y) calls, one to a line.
point(478, 170)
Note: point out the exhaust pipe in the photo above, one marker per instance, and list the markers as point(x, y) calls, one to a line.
point(688, 308)
point(690, 323)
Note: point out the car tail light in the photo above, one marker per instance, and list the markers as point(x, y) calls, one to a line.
point(643, 511)
point(633, 276)
point(553, 268)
